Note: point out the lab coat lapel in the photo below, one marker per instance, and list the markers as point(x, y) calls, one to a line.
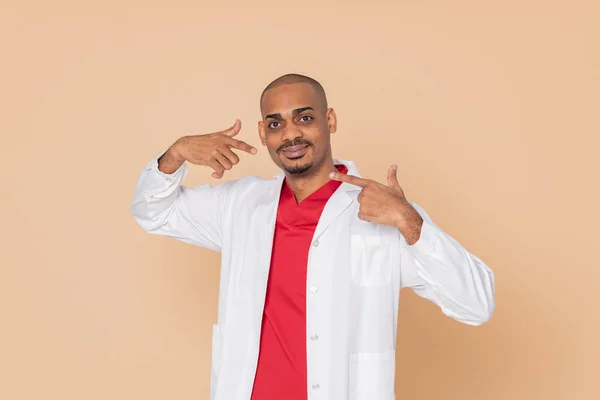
point(336, 205)
point(339, 201)
point(268, 216)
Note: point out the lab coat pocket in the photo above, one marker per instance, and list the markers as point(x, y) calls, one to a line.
point(372, 376)
point(215, 357)
point(371, 259)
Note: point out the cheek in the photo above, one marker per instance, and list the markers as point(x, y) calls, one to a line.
point(272, 144)
point(318, 134)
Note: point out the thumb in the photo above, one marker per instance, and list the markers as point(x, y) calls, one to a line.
point(392, 178)
point(234, 130)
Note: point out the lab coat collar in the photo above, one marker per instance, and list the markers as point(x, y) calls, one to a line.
point(338, 202)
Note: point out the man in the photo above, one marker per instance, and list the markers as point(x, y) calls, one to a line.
point(312, 261)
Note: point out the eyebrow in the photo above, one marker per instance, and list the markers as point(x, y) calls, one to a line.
point(294, 113)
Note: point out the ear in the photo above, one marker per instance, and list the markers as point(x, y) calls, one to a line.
point(261, 133)
point(331, 120)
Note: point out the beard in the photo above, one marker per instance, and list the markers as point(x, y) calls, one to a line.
point(298, 169)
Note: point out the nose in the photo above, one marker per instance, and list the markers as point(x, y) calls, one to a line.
point(290, 133)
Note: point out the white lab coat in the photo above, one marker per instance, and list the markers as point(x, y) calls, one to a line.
point(354, 275)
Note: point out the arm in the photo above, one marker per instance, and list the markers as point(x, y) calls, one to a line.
point(433, 264)
point(440, 269)
point(161, 205)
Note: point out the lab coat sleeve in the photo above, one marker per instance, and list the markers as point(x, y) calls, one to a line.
point(161, 205)
point(440, 269)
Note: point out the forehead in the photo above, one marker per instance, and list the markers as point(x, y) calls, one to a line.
point(285, 98)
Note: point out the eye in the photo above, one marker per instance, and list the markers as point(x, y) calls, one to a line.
point(306, 118)
point(271, 125)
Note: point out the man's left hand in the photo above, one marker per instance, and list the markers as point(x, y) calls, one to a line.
point(385, 205)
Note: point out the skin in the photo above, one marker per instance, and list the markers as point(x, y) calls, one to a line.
point(296, 129)
point(386, 204)
point(295, 113)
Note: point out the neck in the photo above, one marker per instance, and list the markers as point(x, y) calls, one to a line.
point(304, 185)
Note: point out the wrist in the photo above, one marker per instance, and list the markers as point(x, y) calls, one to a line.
point(176, 150)
point(410, 225)
point(172, 160)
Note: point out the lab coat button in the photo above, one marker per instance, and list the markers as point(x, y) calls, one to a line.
point(314, 337)
point(316, 243)
point(315, 386)
point(313, 289)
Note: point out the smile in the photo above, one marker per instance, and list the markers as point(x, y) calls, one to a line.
point(294, 152)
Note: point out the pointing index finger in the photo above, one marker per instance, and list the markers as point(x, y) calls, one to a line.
point(351, 179)
point(240, 145)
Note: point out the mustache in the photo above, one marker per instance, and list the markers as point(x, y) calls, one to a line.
point(295, 142)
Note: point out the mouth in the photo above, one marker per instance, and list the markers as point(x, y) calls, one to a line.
point(295, 152)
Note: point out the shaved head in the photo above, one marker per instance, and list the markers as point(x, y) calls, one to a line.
point(296, 126)
point(296, 78)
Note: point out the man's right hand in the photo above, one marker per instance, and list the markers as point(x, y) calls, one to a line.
point(212, 150)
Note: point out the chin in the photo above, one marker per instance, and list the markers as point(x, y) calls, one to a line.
point(298, 167)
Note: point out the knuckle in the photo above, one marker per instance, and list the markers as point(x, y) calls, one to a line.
point(222, 148)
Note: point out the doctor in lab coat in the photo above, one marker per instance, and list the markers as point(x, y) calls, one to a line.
point(369, 242)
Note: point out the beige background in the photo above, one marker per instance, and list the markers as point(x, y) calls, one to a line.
point(490, 110)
